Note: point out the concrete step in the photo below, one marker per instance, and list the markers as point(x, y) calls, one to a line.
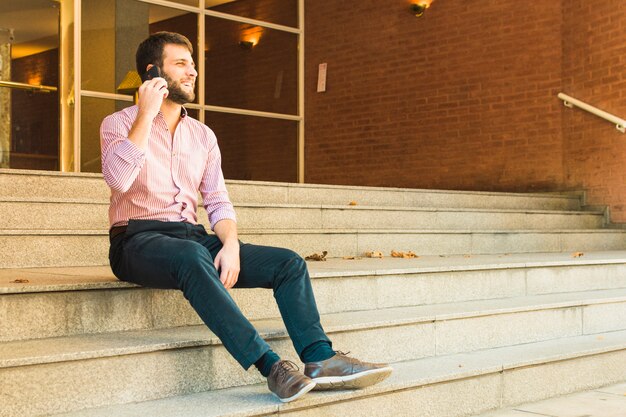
point(446, 386)
point(54, 185)
point(371, 217)
point(605, 401)
point(19, 183)
point(90, 247)
point(82, 300)
point(31, 214)
point(144, 365)
point(287, 193)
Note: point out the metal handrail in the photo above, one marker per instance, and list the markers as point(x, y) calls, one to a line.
point(620, 124)
point(30, 87)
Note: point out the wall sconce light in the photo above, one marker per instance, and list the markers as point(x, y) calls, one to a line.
point(418, 8)
point(250, 37)
point(247, 45)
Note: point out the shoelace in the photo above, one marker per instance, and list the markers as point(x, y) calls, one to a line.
point(284, 367)
point(353, 361)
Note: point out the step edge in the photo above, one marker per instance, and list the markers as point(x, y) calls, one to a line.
point(115, 284)
point(88, 175)
point(274, 330)
point(323, 206)
point(409, 382)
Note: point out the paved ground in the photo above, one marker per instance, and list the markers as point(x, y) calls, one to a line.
point(602, 402)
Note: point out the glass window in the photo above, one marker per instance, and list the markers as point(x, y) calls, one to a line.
point(29, 81)
point(251, 67)
point(193, 113)
point(93, 111)
point(282, 12)
point(111, 33)
point(256, 148)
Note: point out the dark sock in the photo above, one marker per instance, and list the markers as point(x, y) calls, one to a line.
point(264, 364)
point(317, 351)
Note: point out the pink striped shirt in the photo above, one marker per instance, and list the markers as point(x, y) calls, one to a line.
point(163, 182)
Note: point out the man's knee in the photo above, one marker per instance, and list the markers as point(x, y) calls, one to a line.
point(294, 266)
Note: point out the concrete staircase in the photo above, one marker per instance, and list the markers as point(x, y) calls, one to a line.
point(496, 311)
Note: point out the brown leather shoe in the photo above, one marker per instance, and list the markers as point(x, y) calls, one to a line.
point(344, 372)
point(287, 383)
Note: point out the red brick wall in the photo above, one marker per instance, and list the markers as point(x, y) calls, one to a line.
point(462, 98)
point(594, 58)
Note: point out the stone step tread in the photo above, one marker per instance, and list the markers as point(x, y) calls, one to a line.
point(604, 401)
point(101, 277)
point(92, 232)
point(71, 348)
point(95, 176)
point(255, 400)
point(589, 211)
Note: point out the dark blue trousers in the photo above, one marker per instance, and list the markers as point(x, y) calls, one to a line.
point(179, 255)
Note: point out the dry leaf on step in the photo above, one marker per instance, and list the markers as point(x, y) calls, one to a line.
point(577, 254)
point(20, 281)
point(374, 254)
point(399, 254)
point(352, 203)
point(317, 256)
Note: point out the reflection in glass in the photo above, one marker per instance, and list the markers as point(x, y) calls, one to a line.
point(251, 67)
point(256, 148)
point(282, 12)
point(29, 56)
point(94, 110)
point(111, 33)
point(193, 113)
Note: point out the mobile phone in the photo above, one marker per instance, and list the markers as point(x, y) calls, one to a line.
point(151, 73)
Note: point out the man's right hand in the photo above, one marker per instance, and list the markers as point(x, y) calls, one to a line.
point(151, 96)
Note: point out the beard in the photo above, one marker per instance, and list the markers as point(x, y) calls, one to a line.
point(176, 93)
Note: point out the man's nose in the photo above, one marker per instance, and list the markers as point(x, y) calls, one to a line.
point(192, 71)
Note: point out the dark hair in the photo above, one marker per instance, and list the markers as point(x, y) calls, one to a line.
point(150, 51)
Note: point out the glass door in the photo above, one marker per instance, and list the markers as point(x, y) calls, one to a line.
point(29, 83)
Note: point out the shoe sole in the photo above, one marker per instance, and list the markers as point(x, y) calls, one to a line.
point(298, 394)
point(355, 381)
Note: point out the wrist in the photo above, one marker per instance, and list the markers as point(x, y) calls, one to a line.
point(146, 115)
point(231, 242)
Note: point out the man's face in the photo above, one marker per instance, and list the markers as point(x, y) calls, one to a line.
point(179, 72)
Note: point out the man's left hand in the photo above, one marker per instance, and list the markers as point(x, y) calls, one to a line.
point(227, 264)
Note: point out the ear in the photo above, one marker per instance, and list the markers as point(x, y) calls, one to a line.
point(149, 66)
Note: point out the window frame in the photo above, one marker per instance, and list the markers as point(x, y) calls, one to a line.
point(71, 146)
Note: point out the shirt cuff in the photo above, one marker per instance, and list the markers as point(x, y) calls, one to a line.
point(222, 214)
point(130, 153)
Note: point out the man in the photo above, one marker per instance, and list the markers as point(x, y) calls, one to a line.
point(155, 158)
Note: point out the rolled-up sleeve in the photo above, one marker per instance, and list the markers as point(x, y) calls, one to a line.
point(121, 158)
point(213, 188)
